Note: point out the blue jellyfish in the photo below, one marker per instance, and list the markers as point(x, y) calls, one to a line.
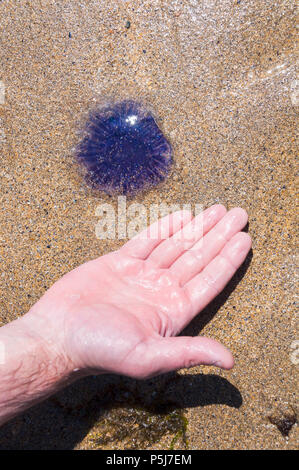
point(123, 150)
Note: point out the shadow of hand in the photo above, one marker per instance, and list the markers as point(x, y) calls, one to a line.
point(122, 410)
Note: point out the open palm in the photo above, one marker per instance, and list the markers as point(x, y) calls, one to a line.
point(121, 312)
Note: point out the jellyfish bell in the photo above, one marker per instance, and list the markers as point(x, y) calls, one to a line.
point(123, 150)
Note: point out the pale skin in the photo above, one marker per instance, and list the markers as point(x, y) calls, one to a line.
point(121, 313)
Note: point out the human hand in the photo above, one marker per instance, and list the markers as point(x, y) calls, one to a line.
point(121, 313)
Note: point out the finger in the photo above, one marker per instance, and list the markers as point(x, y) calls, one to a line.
point(173, 353)
point(169, 250)
point(202, 253)
point(210, 282)
point(143, 244)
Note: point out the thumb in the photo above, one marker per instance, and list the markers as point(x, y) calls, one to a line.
point(167, 354)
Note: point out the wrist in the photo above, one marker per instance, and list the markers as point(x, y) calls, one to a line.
point(31, 367)
point(46, 336)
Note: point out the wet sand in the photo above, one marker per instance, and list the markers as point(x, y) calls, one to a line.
point(220, 77)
